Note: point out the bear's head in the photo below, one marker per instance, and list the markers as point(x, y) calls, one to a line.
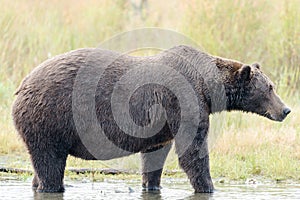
point(256, 94)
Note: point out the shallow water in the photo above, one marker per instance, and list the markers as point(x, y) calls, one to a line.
point(173, 189)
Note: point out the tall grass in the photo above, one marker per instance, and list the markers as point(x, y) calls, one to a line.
point(250, 31)
point(264, 31)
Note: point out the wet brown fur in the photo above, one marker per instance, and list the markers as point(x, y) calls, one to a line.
point(42, 112)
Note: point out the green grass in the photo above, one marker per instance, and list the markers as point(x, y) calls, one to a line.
point(264, 31)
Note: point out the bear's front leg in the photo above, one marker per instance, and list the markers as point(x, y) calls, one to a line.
point(194, 160)
point(198, 173)
point(152, 165)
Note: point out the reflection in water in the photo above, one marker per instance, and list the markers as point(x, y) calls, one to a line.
point(145, 195)
point(128, 190)
point(158, 195)
point(199, 196)
point(151, 195)
point(48, 196)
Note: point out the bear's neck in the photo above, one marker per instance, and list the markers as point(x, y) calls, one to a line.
point(234, 94)
point(214, 76)
point(233, 88)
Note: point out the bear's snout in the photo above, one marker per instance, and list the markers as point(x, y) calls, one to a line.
point(281, 116)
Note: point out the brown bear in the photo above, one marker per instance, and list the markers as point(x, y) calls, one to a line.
point(56, 102)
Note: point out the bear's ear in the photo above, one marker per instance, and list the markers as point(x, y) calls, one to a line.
point(257, 65)
point(245, 73)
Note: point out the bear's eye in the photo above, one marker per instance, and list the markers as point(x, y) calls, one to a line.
point(270, 88)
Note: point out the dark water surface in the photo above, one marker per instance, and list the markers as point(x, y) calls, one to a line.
point(173, 189)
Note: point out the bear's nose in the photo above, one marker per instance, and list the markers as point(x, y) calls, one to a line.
point(286, 111)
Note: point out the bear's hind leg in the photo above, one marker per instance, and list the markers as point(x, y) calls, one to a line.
point(49, 166)
point(152, 165)
point(35, 182)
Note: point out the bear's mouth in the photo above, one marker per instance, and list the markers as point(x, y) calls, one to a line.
point(271, 117)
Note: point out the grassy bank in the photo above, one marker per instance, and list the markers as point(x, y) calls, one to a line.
point(245, 145)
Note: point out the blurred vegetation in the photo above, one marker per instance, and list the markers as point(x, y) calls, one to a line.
point(264, 31)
